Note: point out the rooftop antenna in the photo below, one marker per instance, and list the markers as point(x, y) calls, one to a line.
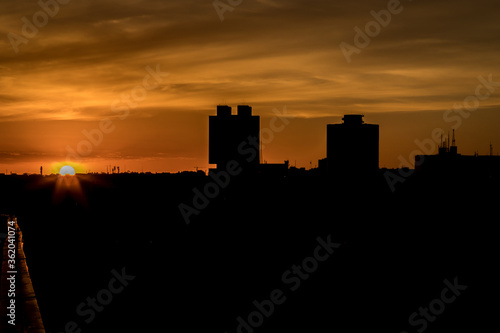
point(453, 141)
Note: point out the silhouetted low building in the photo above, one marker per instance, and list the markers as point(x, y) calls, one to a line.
point(323, 167)
point(449, 161)
point(274, 170)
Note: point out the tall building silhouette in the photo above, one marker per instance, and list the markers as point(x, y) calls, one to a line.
point(234, 137)
point(352, 147)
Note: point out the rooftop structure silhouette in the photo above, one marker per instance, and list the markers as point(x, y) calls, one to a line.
point(234, 137)
point(449, 161)
point(352, 147)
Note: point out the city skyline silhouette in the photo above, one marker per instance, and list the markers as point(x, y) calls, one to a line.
point(145, 89)
point(75, 159)
point(249, 166)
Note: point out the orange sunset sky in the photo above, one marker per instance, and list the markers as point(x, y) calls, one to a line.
point(87, 57)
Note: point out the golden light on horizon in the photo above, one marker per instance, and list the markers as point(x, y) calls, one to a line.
point(67, 170)
point(67, 184)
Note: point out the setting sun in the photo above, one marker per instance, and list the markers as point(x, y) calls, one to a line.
point(67, 170)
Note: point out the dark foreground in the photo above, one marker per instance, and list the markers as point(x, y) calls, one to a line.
point(294, 254)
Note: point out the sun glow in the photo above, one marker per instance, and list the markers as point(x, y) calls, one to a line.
point(67, 170)
point(57, 168)
point(68, 185)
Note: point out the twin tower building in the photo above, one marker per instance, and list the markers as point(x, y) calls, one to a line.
point(352, 147)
